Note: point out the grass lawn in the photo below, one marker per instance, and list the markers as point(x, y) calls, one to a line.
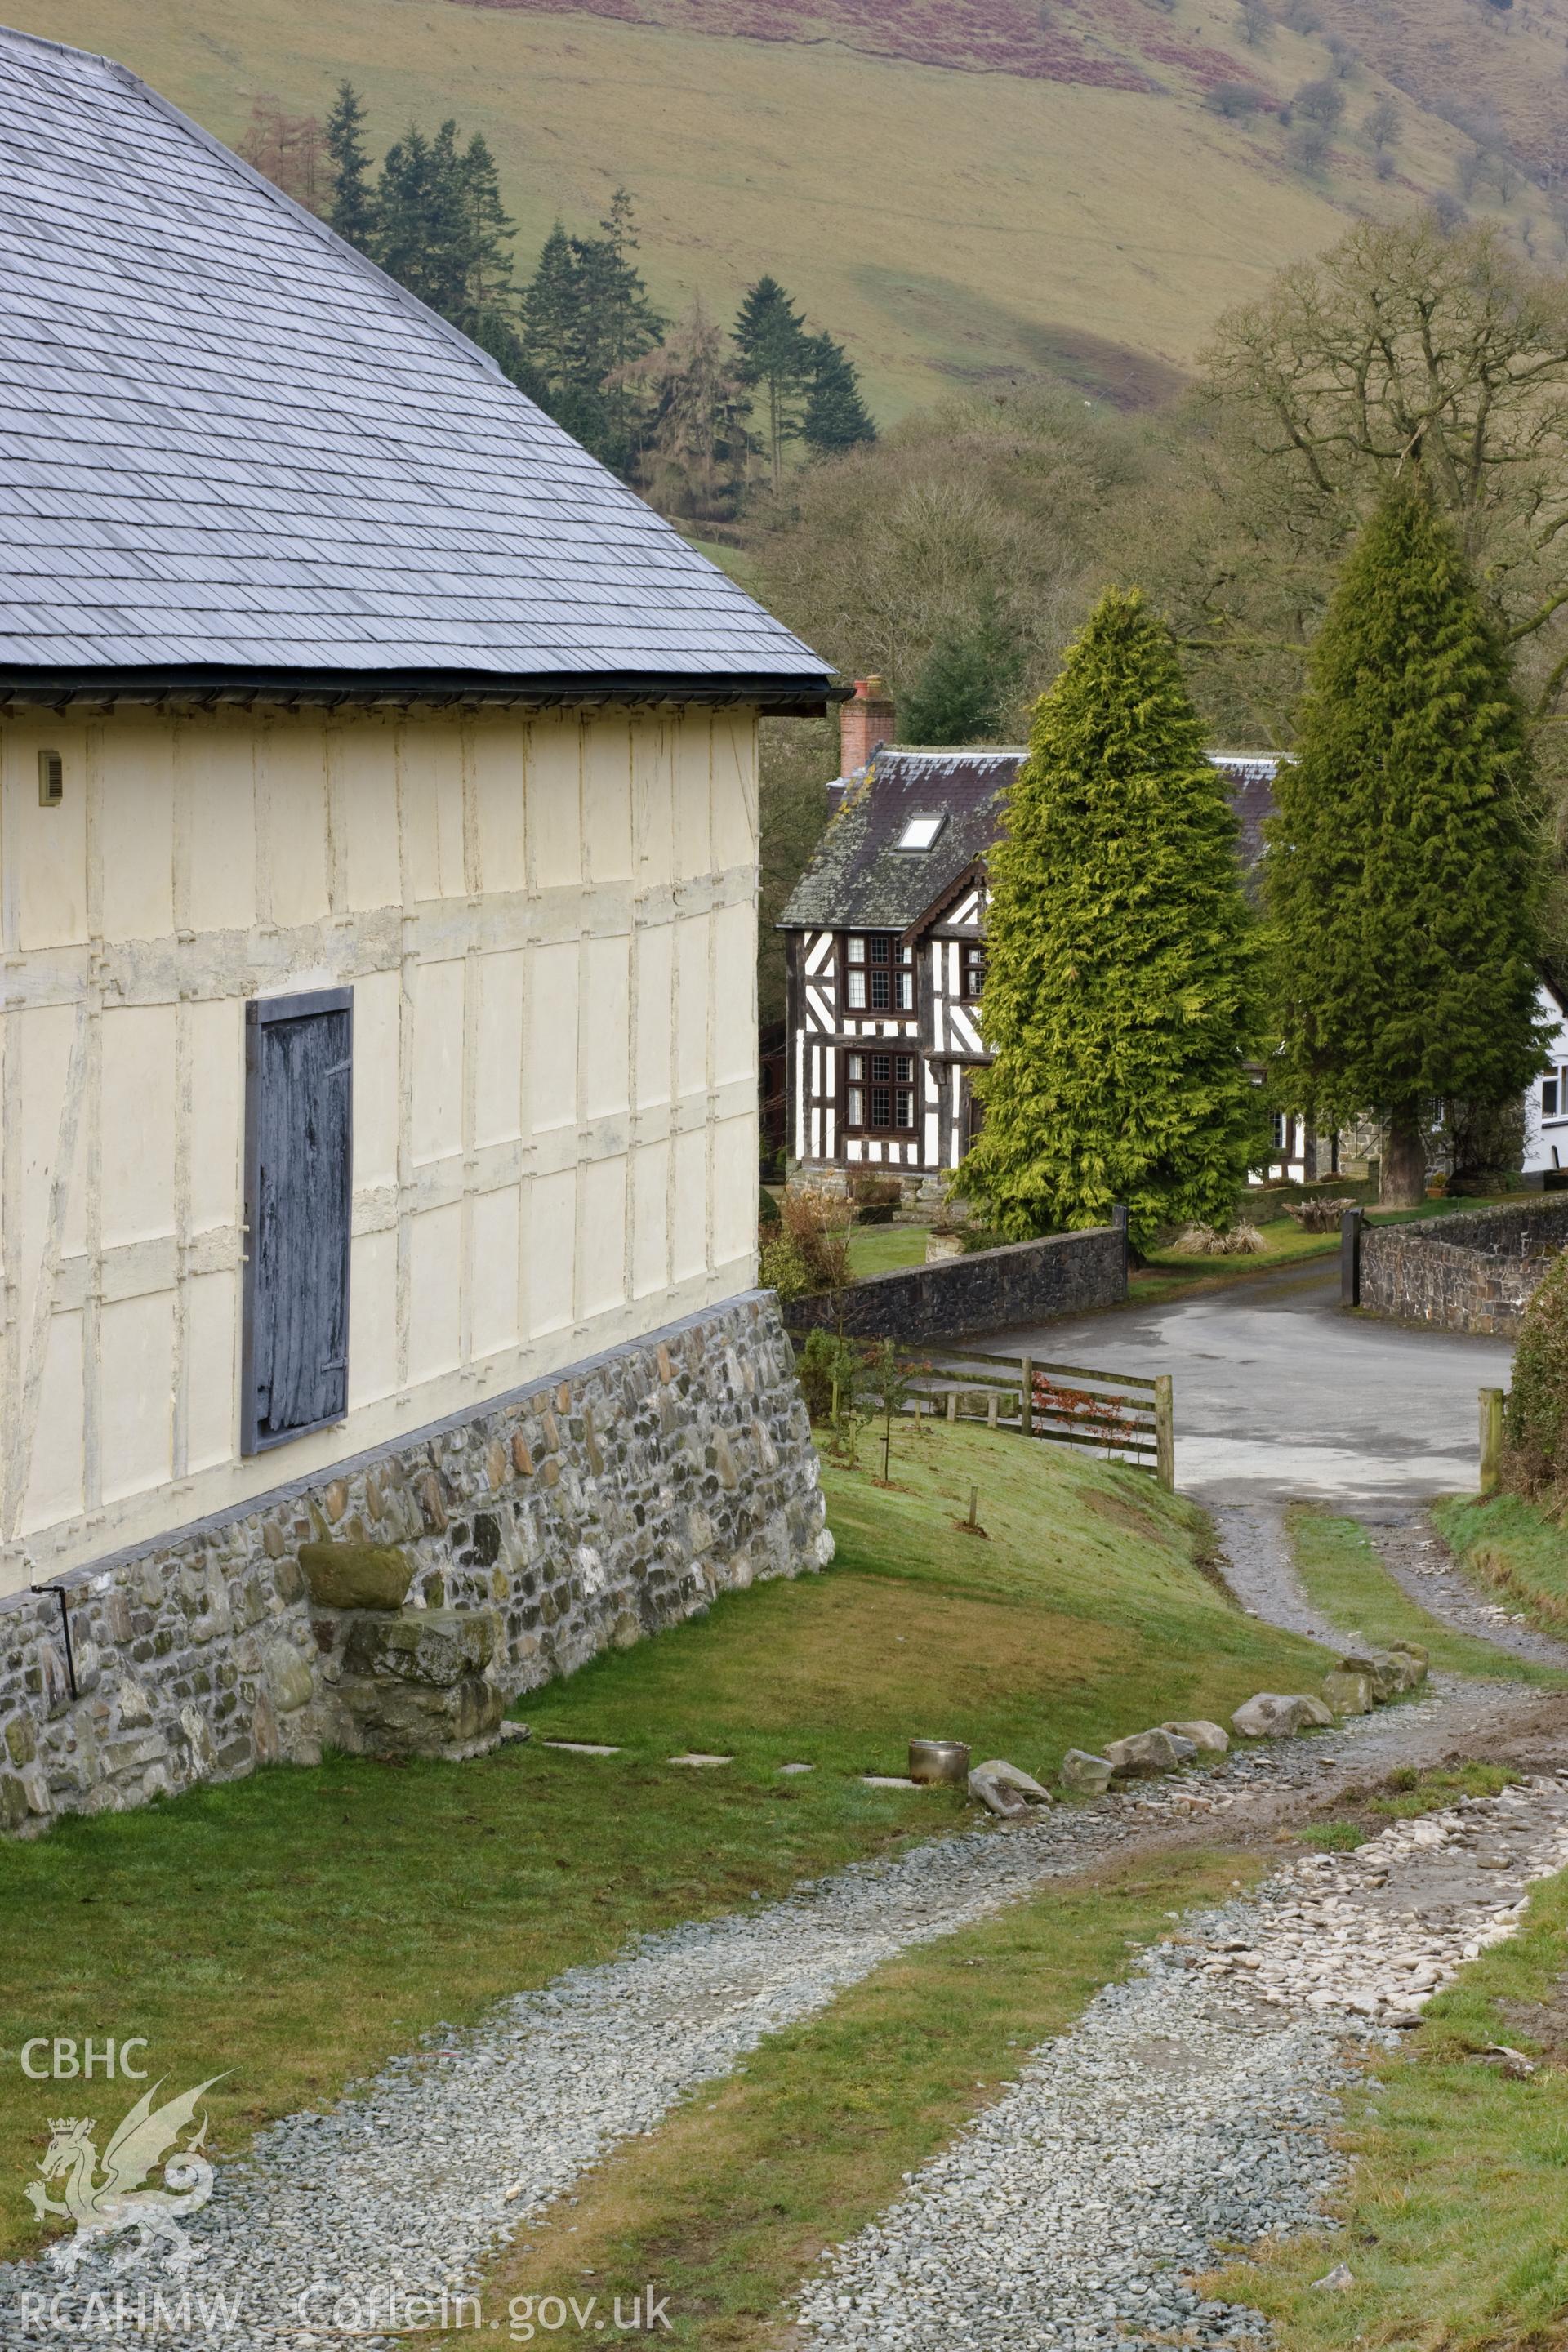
point(885, 1249)
point(1174, 1274)
point(300, 1927)
point(1516, 1546)
point(1346, 1579)
point(733, 2201)
point(1454, 2216)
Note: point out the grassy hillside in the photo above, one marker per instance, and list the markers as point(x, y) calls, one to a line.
point(962, 190)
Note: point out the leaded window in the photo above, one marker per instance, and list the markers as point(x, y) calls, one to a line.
point(879, 973)
point(880, 1093)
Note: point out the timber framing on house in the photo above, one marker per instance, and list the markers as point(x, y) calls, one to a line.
point(886, 956)
point(378, 855)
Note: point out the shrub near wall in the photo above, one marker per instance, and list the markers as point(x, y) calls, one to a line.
point(1535, 1419)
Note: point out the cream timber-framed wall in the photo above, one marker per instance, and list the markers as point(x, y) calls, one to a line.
point(547, 922)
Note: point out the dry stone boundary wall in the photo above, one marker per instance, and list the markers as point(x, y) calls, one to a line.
point(1474, 1273)
point(962, 1297)
point(400, 1601)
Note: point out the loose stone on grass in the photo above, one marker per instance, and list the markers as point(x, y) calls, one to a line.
point(1268, 1715)
point(1003, 1790)
point(1145, 1753)
point(1085, 1775)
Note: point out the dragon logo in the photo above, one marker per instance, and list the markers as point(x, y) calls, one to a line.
point(108, 2208)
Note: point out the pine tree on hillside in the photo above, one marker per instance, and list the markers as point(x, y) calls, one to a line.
point(1120, 992)
point(777, 358)
point(352, 210)
point(836, 416)
point(488, 234)
point(449, 256)
point(402, 210)
point(616, 323)
point(548, 311)
point(1403, 877)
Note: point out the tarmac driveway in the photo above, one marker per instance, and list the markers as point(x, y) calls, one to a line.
point(1280, 1393)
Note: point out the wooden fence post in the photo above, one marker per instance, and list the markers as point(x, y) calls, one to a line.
point(1491, 1401)
point(1164, 1432)
point(1027, 1395)
point(1350, 1257)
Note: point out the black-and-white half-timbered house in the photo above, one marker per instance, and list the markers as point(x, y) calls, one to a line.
point(885, 957)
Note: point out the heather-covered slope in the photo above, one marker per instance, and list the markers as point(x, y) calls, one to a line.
point(960, 189)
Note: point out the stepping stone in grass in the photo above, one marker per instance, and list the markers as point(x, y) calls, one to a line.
point(701, 1760)
point(797, 1767)
point(580, 1748)
point(888, 1780)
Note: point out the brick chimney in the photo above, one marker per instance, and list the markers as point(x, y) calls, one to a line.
point(864, 721)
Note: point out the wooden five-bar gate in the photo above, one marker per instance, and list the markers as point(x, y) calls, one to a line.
point(1066, 1405)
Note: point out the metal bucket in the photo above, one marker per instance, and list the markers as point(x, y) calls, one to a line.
point(935, 1760)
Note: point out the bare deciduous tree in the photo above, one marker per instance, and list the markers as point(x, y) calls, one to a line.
point(1404, 347)
point(1383, 124)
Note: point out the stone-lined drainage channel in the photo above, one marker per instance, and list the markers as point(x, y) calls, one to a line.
point(420, 2175)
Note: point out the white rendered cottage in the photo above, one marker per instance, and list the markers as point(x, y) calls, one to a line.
point(378, 861)
point(885, 957)
point(1546, 1101)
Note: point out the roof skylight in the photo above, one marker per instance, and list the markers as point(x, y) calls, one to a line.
point(920, 832)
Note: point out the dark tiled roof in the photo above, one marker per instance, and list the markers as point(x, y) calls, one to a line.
point(1249, 777)
point(229, 444)
point(859, 876)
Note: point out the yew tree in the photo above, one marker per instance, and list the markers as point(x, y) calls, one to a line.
point(1121, 995)
point(1404, 875)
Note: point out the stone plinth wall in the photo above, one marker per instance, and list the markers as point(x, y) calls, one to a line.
point(923, 1192)
point(551, 1523)
point(986, 1291)
point(1464, 1273)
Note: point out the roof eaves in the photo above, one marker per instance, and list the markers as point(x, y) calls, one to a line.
point(203, 686)
point(949, 890)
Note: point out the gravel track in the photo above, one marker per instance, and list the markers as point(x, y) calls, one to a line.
point(1190, 2107)
point(1260, 1571)
point(418, 2177)
point(411, 2182)
point(1421, 1563)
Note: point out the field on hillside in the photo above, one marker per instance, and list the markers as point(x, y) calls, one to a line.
point(1001, 198)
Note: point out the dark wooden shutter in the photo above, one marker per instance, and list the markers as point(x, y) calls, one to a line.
point(298, 1114)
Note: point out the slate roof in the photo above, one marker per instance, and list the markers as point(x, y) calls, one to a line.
point(859, 876)
point(230, 446)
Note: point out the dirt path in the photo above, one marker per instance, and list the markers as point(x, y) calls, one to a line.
point(1259, 1569)
point(1421, 1563)
point(411, 2184)
point(1193, 2106)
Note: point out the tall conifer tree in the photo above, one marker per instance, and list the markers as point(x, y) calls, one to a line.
point(1404, 874)
point(402, 210)
point(489, 231)
point(777, 358)
point(352, 210)
point(1120, 992)
point(837, 417)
